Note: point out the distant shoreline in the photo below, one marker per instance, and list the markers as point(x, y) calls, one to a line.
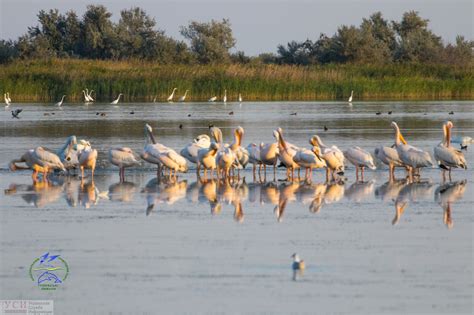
point(48, 80)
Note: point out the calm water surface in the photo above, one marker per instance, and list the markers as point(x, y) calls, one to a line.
point(187, 246)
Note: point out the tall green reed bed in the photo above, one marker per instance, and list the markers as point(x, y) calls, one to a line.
point(47, 80)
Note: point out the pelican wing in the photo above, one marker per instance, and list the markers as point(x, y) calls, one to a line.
point(46, 158)
point(359, 157)
point(123, 157)
point(449, 156)
point(388, 156)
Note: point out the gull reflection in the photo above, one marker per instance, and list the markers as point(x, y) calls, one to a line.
point(412, 192)
point(447, 194)
point(359, 191)
point(164, 190)
point(122, 191)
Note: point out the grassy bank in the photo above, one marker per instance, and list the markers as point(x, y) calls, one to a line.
point(41, 80)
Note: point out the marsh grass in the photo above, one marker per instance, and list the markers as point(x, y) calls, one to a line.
point(47, 80)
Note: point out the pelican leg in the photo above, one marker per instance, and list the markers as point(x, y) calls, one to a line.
point(357, 173)
point(449, 172)
point(443, 173)
point(92, 173)
point(205, 174)
point(391, 174)
point(327, 174)
point(362, 172)
point(274, 172)
point(82, 171)
point(299, 173)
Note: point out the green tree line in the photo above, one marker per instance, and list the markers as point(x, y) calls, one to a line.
point(136, 36)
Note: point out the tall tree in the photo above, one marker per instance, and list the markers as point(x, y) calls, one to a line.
point(100, 39)
point(210, 42)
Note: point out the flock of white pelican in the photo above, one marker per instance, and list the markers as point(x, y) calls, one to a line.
point(212, 154)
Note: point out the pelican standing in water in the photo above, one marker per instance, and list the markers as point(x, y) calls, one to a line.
point(254, 157)
point(350, 97)
point(87, 159)
point(47, 160)
point(286, 154)
point(115, 102)
point(360, 159)
point(123, 157)
point(332, 155)
point(183, 98)
point(28, 159)
point(60, 103)
point(241, 153)
point(170, 98)
point(190, 151)
point(309, 159)
point(151, 151)
point(225, 158)
point(411, 156)
point(389, 156)
point(207, 159)
point(446, 155)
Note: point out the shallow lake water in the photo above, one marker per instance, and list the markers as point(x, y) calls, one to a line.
point(188, 246)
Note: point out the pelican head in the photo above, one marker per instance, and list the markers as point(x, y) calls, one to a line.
point(449, 124)
point(397, 130)
point(276, 135)
point(314, 141)
point(148, 128)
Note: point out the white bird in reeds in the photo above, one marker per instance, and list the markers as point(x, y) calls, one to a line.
point(464, 142)
point(360, 159)
point(240, 98)
point(447, 194)
point(116, 101)
point(389, 156)
point(190, 151)
point(91, 99)
point(332, 155)
point(411, 156)
point(6, 99)
point(183, 98)
point(60, 103)
point(350, 97)
point(309, 159)
point(212, 99)
point(170, 98)
point(123, 157)
point(446, 155)
point(286, 152)
point(224, 99)
point(86, 97)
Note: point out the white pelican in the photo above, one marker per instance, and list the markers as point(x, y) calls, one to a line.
point(464, 142)
point(7, 100)
point(207, 159)
point(411, 156)
point(183, 98)
point(170, 98)
point(298, 263)
point(60, 103)
point(115, 102)
point(332, 155)
point(87, 159)
point(309, 159)
point(190, 151)
point(224, 99)
point(446, 155)
point(240, 98)
point(225, 158)
point(212, 99)
point(269, 155)
point(167, 156)
point(286, 154)
point(254, 157)
point(123, 157)
point(241, 153)
point(68, 153)
point(449, 193)
point(47, 160)
point(350, 97)
point(28, 159)
point(389, 156)
point(360, 159)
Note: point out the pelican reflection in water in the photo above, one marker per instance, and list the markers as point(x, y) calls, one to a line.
point(447, 194)
point(167, 190)
point(412, 192)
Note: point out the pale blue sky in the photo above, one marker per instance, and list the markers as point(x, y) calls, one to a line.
point(258, 25)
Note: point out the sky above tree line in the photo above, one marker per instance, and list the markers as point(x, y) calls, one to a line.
point(258, 25)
